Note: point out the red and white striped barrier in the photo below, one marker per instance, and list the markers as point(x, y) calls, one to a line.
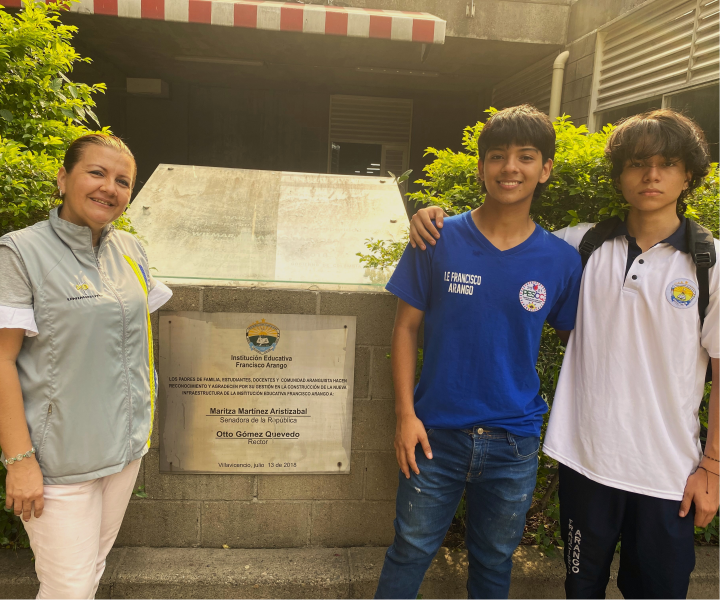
point(275, 16)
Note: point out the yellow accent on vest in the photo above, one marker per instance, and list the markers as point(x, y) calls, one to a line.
point(151, 358)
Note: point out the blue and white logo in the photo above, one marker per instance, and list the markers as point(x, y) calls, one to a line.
point(682, 293)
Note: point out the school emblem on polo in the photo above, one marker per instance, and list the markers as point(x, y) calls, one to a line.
point(682, 293)
point(532, 296)
point(262, 337)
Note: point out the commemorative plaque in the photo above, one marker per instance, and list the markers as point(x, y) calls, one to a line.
point(255, 393)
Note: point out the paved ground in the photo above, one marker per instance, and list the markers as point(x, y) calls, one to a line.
point(305, 573)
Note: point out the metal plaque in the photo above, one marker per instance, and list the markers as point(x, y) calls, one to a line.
point(255, 393)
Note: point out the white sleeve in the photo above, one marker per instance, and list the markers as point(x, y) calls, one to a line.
point(158, 292)
point(710, 337)
point(574, 235)
point(158, 295)
point(18, 318)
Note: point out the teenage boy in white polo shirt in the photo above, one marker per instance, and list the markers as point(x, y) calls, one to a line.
point(624, 423)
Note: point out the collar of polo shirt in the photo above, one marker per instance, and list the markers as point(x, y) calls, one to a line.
point(677, 240)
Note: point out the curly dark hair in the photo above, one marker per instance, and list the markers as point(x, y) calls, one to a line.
point(665, 133)
point(519, 125)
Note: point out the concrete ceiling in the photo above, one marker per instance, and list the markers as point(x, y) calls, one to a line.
point(145, 48)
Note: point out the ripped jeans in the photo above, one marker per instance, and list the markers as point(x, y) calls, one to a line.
point(497, 470)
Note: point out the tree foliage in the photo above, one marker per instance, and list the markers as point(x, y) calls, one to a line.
point(41, 110)
point(580, 190)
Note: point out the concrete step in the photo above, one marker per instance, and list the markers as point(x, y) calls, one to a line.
point(306, 573)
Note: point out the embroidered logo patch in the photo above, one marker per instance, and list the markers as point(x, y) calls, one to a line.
point(533, 296)
point(82, 290)
point(682, 293)
point(262, 336)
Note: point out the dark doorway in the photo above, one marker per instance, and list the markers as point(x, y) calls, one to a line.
point(356, 159)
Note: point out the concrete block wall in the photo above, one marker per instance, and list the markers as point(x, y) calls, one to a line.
point(284, 511)
point(577, 84)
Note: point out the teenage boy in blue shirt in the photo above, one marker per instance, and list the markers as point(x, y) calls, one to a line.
point(624, 425)
point(485, 291)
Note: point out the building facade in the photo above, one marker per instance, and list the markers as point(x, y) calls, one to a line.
point(365, 86)
point(315, 86)
point(629, 56)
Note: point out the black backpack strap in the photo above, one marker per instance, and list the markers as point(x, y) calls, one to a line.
point(702, 250)
point(595, 237)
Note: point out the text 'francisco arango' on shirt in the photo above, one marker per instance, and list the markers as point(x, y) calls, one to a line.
point(484, 314)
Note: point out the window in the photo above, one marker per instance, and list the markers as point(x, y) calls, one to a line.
point(662, 54)
point(369, 136)
point(628, 110)
point(356, 159)
point(701, 104)
point(646, 52)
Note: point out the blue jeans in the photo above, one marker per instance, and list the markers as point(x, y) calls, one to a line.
point(497, 470)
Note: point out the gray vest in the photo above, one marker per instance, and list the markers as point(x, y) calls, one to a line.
point(86, 378)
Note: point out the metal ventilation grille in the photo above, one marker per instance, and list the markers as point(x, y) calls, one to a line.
point(363, 119)
point(705, 62)
point(650, 51)
point(531, 86)
point(394, 160)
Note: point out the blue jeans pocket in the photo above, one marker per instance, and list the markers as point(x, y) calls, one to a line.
point(524, 447)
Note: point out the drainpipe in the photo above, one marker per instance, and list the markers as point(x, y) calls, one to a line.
point(557, 84)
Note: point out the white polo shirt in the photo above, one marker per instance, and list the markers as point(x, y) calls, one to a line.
point(625, 412)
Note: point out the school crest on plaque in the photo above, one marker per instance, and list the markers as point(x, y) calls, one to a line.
point(262, 337)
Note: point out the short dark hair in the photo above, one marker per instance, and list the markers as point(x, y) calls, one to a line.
point(519, 125)
point(664, 132)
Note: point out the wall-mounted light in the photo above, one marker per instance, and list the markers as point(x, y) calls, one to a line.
point(384, 71)
point(140, 86)
point(221, 61)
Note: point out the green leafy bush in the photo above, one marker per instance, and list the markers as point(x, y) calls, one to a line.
point(580, 190)
point(27, 185)
point(42, 110)
point(703, 204)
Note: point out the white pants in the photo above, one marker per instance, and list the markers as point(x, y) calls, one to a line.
point(76, 531)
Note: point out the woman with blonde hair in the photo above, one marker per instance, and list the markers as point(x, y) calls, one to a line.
point(76, 362)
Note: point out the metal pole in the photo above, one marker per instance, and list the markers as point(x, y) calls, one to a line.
point(557, 84)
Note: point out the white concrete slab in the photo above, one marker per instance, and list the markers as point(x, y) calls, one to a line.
point(264, 227)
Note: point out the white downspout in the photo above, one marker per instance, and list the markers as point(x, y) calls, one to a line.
point(557, 84)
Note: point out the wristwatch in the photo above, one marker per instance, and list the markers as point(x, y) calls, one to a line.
point(19, 457)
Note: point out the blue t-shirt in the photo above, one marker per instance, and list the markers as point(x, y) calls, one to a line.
point(484, 314)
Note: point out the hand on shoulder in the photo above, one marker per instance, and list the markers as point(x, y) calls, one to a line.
point(422, 228)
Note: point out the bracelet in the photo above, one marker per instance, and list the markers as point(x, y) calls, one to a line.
point(19, 457)
point(707, 479)
point(711, 458)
